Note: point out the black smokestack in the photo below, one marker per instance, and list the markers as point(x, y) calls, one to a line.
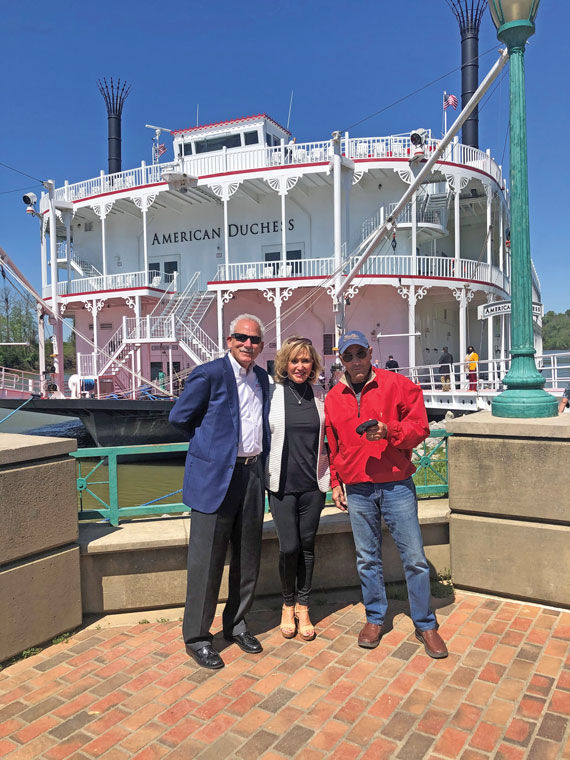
point(469, 14)
point(114, 95)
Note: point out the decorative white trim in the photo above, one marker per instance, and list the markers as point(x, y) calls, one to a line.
point(273, 297)
point(283, 183)
point(457, 180)
point(405, 175)
point(357, 176)
point(227, 296)
point(130, 302)
point(463, 295)
point(103, 209)
point(352, 290)
point(226, 190)
point(413, 298)
point(144, 202)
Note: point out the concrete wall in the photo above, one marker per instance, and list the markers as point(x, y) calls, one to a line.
point(137, 566)
point(509, 495)
point(40, 593)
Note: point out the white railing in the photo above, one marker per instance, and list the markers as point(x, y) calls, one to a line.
point(113, 282)
point(87, 365)
point(489, 375)
point(197, 340)
point(259, 157)
point(18, 381)
point(386, 266)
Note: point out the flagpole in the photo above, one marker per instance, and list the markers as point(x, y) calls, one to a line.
point(444, 114)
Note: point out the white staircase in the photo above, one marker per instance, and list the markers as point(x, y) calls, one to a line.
point(84, 268)
point(191, 304)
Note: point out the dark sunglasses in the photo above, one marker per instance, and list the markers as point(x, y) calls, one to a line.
point(360, 354)
point(242, 338)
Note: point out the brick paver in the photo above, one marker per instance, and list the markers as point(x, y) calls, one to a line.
point(131, 691)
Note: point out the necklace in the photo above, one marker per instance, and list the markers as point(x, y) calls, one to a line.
point(299, 399)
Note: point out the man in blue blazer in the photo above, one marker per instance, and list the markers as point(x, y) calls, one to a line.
point(224, 412)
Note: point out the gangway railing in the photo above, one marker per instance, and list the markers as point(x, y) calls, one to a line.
point(18, 381)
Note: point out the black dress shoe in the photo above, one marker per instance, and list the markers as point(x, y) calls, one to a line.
point(245, 641)
point(206, 657)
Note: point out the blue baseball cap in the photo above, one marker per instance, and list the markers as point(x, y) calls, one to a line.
point(352, 338)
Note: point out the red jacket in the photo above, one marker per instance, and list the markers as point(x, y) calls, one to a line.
point(386, 397)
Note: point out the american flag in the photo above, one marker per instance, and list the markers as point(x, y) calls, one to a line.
point(161, 149)
point(449, 100)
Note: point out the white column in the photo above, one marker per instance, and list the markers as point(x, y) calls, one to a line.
point(145, 242)
point(94, 313)
point(170, 371)
point(41, 347)
point(220, 317)
point(43, 253)
point(414, 207)
point(226, 240)
point(462, 333)
point(489, 194)
point(278, 318)
point(412, 327)
point(502, 337)
point(67, 221)
point(501, 239)
point(56, 321)
point(283, 233)
point(337, 231)
point(457, 229)
point(103, 242)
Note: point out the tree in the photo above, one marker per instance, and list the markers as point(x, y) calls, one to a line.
point(556, 331)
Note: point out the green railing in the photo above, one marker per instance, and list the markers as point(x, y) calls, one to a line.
point(101, 498)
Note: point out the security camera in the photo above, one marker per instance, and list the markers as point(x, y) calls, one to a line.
point(30, 199)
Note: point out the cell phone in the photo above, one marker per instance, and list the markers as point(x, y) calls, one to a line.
point(364, 426)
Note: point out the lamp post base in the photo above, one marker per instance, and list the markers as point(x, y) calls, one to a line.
point(524, 404)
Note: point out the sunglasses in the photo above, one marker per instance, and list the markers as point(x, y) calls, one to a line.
point(243, 338)
point(360, 354)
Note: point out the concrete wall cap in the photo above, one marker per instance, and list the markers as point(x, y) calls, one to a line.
point(24, 448)
point(101, 538)
point(483, 423)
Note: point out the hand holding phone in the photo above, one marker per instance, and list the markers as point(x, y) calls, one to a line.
point(364, 426)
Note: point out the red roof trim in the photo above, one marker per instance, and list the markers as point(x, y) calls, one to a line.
point(230, 121)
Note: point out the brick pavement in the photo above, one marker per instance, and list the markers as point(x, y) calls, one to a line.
point(132, 692)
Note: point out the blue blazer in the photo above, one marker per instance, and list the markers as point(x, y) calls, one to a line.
point(208, 413)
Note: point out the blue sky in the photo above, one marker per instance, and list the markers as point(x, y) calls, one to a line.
point(344, 61)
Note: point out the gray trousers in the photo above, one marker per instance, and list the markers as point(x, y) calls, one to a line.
point(238, 522)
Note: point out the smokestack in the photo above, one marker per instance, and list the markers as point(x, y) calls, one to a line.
point(469, 14)
point(114, 95)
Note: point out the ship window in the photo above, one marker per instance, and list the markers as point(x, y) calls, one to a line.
point(251, 138)
point(88, 227)
point(217, 143)
point(328, 344)
point(295, 267)
point(187, 149)
point(269, 139)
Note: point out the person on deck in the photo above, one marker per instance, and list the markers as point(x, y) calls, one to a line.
point(224, 412)
point(471, 360)
point(392, 364)
point(445, 367)
point(376, 471)
point(565, 400)
point(297, 476)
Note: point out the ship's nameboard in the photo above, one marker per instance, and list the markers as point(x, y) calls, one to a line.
point(214, 233)
point(498, 308)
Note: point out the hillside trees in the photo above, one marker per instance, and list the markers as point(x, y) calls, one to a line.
point(556, 331)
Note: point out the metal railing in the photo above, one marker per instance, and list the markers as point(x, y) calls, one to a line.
point(13, 381)
point(121, 281)
point(260, 157)
point(386, 266)
point(99, 496)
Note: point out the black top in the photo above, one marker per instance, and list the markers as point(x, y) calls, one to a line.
point(445, 359)
point(392, 364)
point(302, 431)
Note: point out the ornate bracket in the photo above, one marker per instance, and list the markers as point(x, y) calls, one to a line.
point(405, 175)
point(227, 296)
point(456, 181)
point(282, 184)
point(357, 176)
point(352, 291)
point(130, 302)
point(103, 209)
point(413, 297)
point(463, 295)
point(94, 306)
point(278, 296)
point(224, 192)
point(144, 202)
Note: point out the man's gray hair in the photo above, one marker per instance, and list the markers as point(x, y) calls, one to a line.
point(252, 318)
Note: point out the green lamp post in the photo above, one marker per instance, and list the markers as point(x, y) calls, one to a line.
point(524, 396)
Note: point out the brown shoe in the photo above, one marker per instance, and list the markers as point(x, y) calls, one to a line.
point(433, 643)
point(369, 637)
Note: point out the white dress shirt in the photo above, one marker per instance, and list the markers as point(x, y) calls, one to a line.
point(250, 398)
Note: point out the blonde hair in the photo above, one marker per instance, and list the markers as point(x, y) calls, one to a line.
point(290, 348)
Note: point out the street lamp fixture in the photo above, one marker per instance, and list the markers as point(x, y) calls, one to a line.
point(524, 397)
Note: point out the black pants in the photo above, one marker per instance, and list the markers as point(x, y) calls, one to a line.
point(296, 518)
point(238, 522)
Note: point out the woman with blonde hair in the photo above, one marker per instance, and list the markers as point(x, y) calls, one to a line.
point(297, 476)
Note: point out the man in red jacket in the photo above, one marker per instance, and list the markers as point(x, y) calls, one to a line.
point(376, 471)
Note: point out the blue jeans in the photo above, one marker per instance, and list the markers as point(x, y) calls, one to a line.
point(396, 502)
